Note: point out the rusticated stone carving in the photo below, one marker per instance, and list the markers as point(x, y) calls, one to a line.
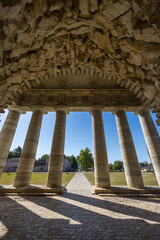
point(40, 39)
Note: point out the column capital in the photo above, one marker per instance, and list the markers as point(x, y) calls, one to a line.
point(62, 110)
point(96, 108)
point(117, 110)
point(41, 109)
point(140, 110)
point(16, 108)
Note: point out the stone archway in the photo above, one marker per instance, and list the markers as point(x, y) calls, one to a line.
point(43, 40)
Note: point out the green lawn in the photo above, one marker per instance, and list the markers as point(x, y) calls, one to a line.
point(118, 178)
point(37, 178)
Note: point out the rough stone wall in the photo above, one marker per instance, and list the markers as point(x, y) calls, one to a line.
point(40, 39)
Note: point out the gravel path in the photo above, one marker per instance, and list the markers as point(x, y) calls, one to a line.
point(79, 215)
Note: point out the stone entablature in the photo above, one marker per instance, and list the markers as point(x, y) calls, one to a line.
point(51, 99)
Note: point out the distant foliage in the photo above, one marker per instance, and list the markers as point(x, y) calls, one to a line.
point(16, 153)
point(143, 164)
point(85, 159)
point(74, 163)
point(44, 157)
point(116, 166)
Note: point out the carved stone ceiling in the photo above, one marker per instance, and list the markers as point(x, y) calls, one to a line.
point(117, 40)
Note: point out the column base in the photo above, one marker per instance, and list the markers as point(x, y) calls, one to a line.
point(124, 191)
point(33, 190)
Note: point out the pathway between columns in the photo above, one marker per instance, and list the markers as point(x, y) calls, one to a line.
point(79, 215)
point(79, 184)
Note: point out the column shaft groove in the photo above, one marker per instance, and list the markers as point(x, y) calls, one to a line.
point(57, 151)
point(27, 159)
point(101, 169)
point(130, 160)
point(152, 139)
point(6, 136)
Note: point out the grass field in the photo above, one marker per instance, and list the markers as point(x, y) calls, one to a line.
point(118, 178)
point(37, 178)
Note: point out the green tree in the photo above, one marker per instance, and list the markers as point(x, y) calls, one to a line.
point(143, 164)
point(17, 151)
point(11, 154)
point(110, 166)
point(74, 163)
point(85, 159)
point(44, 157)
point(118, 165)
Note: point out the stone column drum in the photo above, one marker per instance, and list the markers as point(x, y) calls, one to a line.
point(6, 136)
point(101, 169)
point(130, 160)
point(152, 140)
point(27, 159)
point(57, 151)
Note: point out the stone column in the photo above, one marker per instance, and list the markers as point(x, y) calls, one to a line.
point(130, 160)
point(57, 151)
point(152, 140)
point(6, 136)
point(27, 159)
point(101, 169)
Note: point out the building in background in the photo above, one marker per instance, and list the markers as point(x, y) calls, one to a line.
point(39, 166)
point(11, 165)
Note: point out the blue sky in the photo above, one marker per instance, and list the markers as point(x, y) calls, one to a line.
point(79, 134)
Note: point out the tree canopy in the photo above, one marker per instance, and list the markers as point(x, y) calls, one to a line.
point(85, 159)
point(74, 163)
point(116, 166)
point(44, 157)
point(16, 153)
point(143, 164)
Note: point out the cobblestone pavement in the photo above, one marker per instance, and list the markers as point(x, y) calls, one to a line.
point(79, 215)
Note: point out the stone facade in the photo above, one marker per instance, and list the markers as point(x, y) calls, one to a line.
point(66, 164)
point(11, 165)
point(40, 166)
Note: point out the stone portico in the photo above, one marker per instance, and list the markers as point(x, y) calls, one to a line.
point(91, 55)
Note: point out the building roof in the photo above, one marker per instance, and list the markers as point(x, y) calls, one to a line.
point(13, 160)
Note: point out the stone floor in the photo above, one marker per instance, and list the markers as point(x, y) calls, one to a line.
point(79, 215)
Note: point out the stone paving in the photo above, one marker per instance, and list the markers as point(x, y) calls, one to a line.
point(79, 215)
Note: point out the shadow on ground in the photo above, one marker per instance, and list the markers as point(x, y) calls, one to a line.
point(73, 216)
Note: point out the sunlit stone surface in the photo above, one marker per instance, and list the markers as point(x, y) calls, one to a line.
point(79, 215)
